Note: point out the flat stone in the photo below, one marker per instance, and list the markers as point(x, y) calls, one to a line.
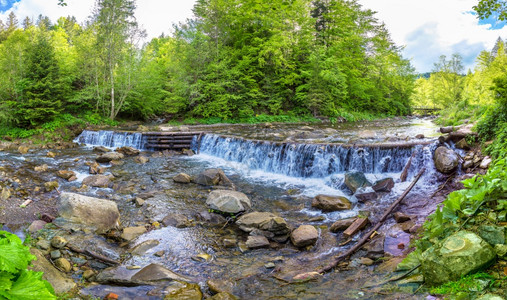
point(304, 235)
point(365, 194)
point(154, 272)
point(400, 217)
point(211, 177)
point(141, 160)
point(101, 149)
point(43, 244)
point(110, 156)
point(101, 181)
point(55, 254)
point(263, 221)
point(130, 233)
point(128, 151)
point(60, 282)
point(220, 286)
point(176, 220)
point(230, 243)
point(331, 203)
point(485, 162)
point(228, 201)
point(257, 241)
point(143, 247)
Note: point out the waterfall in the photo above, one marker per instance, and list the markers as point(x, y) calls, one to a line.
point(308, 160)
point(111, 139)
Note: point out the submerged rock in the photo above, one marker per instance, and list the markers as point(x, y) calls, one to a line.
point(365, 194)
point(331, 203)
point(257, 241)
point(355, 180)
point(341, 225)
point(66, 174)
point(458, 255)
point(154, 272)
point(141, 160)
point(228, 201)
point(99, 214)
point(143, 247)
point(101, 181)
point(176, 220)
point(304, 235)
point(446, 160)
point(101, 149)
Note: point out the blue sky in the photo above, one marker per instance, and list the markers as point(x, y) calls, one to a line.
point(426, 29)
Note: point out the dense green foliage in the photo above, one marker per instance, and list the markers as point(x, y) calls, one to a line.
point(16, 281)
point(233, 61)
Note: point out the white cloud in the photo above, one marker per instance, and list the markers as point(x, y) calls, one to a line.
point(431, 28)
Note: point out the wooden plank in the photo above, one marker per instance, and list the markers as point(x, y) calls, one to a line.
point(160, 141)
point(170, 133)
point(358, 224)
point(187, 146)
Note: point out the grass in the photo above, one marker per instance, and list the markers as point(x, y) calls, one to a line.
point(473, 283)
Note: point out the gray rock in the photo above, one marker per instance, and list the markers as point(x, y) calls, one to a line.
point(176, 220)
point(458, 255)
point(101, 149)
point(263, 221)
point(462, 144)
point(485, 162)
point(88, 212)
point(182, 178)
point(43, 244)
point(143, 247)
point(256, 242)
point(383, 185)
point(213, 177)
point(220, 286)
point(101, 181)
point(400, 217)
point(228, 201)
point(355, 180)
point(304, 235)
point(108, 157)
point(365, 194)
point(55, 254)
point(331, 203)
point(60, 282)
point(446, 160)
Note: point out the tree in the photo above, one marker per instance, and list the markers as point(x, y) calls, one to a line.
point(447, 79)
point(41, 99)
point(117, 35)
point(488, 8)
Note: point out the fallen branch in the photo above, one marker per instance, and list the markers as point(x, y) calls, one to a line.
point(93, 254)
point(366, 237)
point(443, 185)
point(404, 173)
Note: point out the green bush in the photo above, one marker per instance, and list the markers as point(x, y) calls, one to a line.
point(16, 281)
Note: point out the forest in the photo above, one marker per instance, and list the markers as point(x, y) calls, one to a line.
point(232, 61)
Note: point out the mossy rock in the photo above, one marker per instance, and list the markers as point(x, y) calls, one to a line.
point(458, 255)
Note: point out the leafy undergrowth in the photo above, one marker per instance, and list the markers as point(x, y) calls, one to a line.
point(16, 281)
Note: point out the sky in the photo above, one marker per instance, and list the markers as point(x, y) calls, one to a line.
point(426, 29)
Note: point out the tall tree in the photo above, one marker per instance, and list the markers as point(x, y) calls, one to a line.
point(117, 35)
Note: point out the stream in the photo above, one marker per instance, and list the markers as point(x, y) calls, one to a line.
point(277, 177)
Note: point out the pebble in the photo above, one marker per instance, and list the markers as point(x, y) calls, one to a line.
point(63, 264)
point(88, 274)
point(159, 253)
point(43, 244)
point(56, 254)
point(269, 265)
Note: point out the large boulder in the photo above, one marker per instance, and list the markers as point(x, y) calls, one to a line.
point(446, 160)
point(458, 255)
point(355, 180)
point(304, 235)
point(383, 185)
point(228, 201)
point(331, 203)
point(88, 212)
point(109, 156)
point(263, 221)
point(213, 177)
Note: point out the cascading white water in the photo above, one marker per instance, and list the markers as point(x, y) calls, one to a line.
point(111, 139)
point(307, 160)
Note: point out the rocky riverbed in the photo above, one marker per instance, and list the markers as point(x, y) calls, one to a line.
point(162, 225)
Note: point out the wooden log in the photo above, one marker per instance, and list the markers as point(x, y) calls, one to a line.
point(447, 129)
point(379, 145)
point(404, 173)
point(366, 237)
point(169, 141)
point(355, 227)
point(161, 133)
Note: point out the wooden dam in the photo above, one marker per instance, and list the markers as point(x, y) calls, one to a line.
point(171, 140)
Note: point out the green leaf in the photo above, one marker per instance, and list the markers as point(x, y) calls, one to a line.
point(30, 286)
point(13, 255)
point(5, 281)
